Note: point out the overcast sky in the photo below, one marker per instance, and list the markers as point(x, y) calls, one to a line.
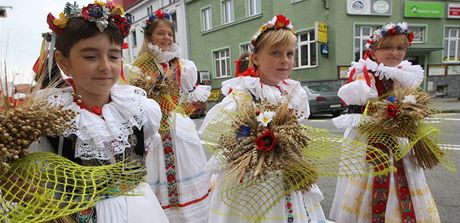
point(20, 32)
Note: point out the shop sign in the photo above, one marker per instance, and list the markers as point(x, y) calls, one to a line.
point(369, 7)
point(453, 10)
point(424, 9)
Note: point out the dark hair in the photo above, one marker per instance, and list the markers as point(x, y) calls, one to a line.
point(78, 29)
point(244, 62)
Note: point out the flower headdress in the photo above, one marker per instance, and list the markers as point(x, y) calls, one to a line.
point(390, 29)
point(277, 22)
point(158, 14)
point(99, 12)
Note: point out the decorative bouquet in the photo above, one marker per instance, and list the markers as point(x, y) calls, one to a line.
point(42, 186)
point(401, 114)
point(265, 153)
point(268, 139)
point(161, 87)
point(21, 124)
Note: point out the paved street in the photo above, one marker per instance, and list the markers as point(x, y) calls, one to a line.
point(443, 184)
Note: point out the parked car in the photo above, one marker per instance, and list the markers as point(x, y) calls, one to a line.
point(199, 109)
point(323, 99)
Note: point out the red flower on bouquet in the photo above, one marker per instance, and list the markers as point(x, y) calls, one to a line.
point(266, 141)
point(392, 110)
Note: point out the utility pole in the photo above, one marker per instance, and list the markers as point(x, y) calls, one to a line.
point(3, 10)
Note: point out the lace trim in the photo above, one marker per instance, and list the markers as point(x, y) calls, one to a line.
point(104, 139)
point(164, 56)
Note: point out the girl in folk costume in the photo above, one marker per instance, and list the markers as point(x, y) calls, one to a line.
point(177, 173)
point(401, 196)
point(114, 123)
point(272, 58)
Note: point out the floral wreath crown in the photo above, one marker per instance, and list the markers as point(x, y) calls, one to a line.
point(390, 29)
point(277, 22)
point(99, 12)
point(158, 14)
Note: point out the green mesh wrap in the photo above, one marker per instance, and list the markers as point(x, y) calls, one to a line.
point(303, 155)
point(44, 186)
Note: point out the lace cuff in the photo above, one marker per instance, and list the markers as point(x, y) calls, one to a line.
point(199, 93)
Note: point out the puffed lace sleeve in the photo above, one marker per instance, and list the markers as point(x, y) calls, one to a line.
point(405, 73)
point(188, 84)
point(152, 138)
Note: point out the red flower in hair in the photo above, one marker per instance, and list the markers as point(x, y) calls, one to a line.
point(392, 110)
point(393, 31)
point(55, 28)
point(266, 141)
point(159, 14)
point(85, 13)
point(281, 21)
point(410, 37)
point(122, 23)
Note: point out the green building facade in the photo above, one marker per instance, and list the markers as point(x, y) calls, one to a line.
point(219, 30)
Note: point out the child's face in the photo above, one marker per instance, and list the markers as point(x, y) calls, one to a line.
point(274, 64)
point(162, 36)
point(391, 51)
point(93, 63)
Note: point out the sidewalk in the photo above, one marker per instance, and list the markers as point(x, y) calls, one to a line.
point(447, 105)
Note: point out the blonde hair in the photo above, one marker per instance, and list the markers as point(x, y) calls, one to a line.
point(400, 39)
point(273, 38)
point(148, 31)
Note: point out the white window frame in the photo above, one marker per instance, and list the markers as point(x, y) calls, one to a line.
point(254, 7)
point(310, 40)
point(224, 63)
point(172, 14)
point(363, 38)
point(206, 22)
point(134, 37)
point(228, 12)
point(424, 34)
point(451, 36)
point(244, 46)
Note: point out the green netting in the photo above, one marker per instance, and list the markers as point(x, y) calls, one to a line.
point(257, 177)
point(162, 87)
point(397, 121)
point(44, 186)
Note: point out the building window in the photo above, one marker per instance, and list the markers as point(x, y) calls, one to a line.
point(149, 10)
point(306, 52)
point(222, 63)
point(134, 36)
point(227, 11)
point(253, 7)
point(451, 44)
point(244, 48)
point(206, 18)
point(419, 33)
point(174, 20)
point(362, 34)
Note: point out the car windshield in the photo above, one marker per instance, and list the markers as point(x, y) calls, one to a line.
point(320, 88)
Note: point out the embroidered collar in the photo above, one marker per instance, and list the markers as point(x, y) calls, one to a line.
point(103, 138)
